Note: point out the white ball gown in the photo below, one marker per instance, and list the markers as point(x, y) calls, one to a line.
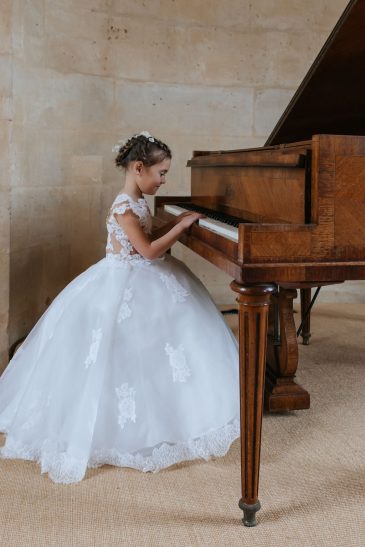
point(131, 365)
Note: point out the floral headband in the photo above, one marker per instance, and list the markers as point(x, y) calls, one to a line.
point(121, 143)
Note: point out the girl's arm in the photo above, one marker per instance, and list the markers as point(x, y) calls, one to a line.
point(159, 232)
point(142, 242)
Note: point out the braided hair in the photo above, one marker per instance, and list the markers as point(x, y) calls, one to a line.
point(142, 147)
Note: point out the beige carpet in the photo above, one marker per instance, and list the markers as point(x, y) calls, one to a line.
point(312, 487)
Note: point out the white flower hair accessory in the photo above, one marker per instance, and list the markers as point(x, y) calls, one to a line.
point(122, 142)
point(119, 145)
point(147, 135)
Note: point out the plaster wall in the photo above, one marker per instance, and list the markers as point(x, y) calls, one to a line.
point(80, 75)
point(5, 138)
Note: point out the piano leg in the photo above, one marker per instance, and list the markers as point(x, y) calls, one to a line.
point(253, 303)
point(281, 391)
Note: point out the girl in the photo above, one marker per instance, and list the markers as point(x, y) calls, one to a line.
point(132, 364)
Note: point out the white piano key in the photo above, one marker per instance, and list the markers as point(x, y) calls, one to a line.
point(174, 210)
point(216, 226)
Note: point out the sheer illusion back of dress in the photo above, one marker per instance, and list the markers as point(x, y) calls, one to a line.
point(118, 245)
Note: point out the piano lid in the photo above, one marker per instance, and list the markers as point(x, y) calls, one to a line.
point(331, 98)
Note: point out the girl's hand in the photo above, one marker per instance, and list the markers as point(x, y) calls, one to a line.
point(178, 219)
point(185, 220)
point(141, 241)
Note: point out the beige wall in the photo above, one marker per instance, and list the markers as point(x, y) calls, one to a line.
point(5, 138)
point(81, 74)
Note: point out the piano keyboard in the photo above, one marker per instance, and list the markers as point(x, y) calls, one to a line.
point(221, 224)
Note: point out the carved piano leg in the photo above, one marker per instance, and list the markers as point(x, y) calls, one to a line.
point(253, 313)
point(281, 391)
point(305, 300)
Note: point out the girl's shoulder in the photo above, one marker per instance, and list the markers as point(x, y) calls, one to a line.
point(124, 202)
point(122, 196)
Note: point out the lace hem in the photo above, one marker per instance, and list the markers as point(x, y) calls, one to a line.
point(66, 469)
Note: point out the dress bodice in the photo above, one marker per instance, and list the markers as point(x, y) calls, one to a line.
point(118, 246)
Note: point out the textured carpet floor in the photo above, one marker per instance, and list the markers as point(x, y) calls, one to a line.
point(312, 486)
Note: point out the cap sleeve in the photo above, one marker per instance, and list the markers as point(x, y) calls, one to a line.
point(125, 203)
point(121, 208)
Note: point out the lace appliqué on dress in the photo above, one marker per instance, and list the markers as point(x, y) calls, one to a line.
point(177, 291)
point(180, 370)
point(126, 404)
point(139, 208)
point(119, 248)
point(124, 310)
point(94, 347)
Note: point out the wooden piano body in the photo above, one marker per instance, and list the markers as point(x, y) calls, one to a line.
point(300, 201)
point(302, 207)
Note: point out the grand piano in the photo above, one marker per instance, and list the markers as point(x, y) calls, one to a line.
point(287, 216)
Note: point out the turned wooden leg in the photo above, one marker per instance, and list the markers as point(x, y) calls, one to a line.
point(253, 303)
point(305, 300)
point(281, 391)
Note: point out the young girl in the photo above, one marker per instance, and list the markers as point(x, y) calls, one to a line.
point(132, 364)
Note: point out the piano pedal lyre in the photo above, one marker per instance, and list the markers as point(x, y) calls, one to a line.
point(282, 393)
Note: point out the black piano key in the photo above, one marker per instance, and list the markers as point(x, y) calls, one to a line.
point(211, 213)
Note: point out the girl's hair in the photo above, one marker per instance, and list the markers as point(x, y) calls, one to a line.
point(142, 147)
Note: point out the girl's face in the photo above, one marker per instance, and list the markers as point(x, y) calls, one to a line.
point(151, 178)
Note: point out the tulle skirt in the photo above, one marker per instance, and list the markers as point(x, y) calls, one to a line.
point(131, 365)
